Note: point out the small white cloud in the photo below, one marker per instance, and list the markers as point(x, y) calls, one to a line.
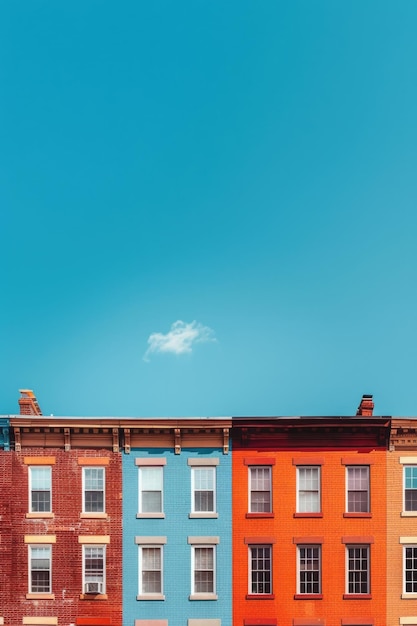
point(180, 339)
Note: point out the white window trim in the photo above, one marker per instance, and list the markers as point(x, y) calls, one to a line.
point(31, 511)
point(302, 467)
point(255, 546)
point(93, 513)
point(203, 542)
point(347, 571)
point(30, 548)
point(150, 514)
point(250, 468)
point(407, 595)
point(94, 545)
point(150, 596)
point(368, 508)
point(203, 514)
point(299, 548)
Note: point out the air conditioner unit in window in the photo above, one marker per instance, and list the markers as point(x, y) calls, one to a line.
point(93, 588)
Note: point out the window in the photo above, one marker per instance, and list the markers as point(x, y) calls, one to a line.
point(357, 570)
point(150, 571)
point(203, 489)
point(94, 567)
point(40, 569)
point(260, 570)
point(260, 500)
point(410, 569)
point(309, 570)
point(203, 567)
point(308, 492)
point(150, 489)
point(357, 489)
point(93, 491)
point(40, 489)
point(410, 488)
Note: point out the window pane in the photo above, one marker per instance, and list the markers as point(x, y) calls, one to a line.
point(151, 502)
point(151, 478)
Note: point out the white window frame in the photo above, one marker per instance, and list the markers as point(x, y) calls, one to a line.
point(301, 507)
point(405, 489)
point(156, 595)
point(254, 585)
point(309, 570)
point(267, 469)
point(351, 584)
point(350, 468)
point(31, 559)
point(142, 470)
point(101, 578)
point(92, 468)
point(202, 595)
point(410, 594)
point(194, 470)
point(32, 490)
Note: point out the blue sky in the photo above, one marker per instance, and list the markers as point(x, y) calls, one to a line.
point(208, 208)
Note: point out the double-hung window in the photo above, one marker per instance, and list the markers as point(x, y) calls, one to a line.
point(150, 489)
point(203, 568)
point(309, 570)
point(94, 569)
point(93, 490)
point(260, 570)
point(260, 492)
point(40, 568)
point(357, 570)
point(40, 488)
point(308, 489)
point(357, 492)
point(410, 570)
point(410, 488)
point(203, 487)
point(151, 567)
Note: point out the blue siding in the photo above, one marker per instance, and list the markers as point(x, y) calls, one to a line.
point(177, 527)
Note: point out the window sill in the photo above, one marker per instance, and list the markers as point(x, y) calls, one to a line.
point(40, 596)
point(203, 514)
point(308, 596)
point(258, 515)
point(260, 596)
point(369, 515)
point(150, 515)
point(43, 515)
point(203, 596)
point(409, 596)
point(93, 596)
point(357, 596)
point(408, 513)
point(94, 516)
point(318, 515)
point(154, 596)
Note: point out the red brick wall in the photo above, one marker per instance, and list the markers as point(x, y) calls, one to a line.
point(67, 526)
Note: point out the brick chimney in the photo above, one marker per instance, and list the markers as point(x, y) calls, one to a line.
point(366, 406)
point(28, 403)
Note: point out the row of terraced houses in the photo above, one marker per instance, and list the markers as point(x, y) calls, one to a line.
point(243, 521)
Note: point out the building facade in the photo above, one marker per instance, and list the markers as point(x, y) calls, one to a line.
point(309, 521)
point(177, 551)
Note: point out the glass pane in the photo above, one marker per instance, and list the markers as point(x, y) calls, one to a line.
point(94, 478)
point(151, 478)
point(151, 502)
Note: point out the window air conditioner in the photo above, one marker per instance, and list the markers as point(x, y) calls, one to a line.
point(93, 587)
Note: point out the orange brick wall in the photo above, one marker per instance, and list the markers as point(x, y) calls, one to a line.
point(399, 526)
point(283, 527)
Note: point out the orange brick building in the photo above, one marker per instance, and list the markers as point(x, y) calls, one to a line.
point(402, 523)
point(309, 520)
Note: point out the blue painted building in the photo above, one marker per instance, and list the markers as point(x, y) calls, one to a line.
point(177, 522)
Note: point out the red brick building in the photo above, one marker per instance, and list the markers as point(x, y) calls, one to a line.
point(64, 521)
